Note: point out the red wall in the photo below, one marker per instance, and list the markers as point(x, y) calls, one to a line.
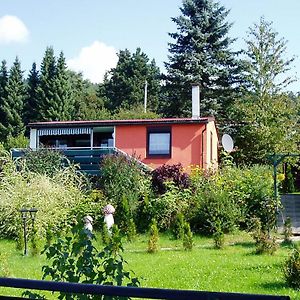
point(186, 144)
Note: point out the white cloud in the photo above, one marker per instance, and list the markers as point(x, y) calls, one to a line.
point(94, 60)
point(12, 29)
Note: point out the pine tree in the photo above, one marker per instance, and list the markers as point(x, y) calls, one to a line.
point(201, 54)
point(12, 106)
point(124, 85)
point(31, 101)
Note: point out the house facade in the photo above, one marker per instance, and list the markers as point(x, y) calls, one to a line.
point(189, 141)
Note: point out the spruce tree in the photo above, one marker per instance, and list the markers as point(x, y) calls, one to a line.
point(12, 105)
point(3, 93)
point(201, 54)
point(46, 88)
point(124, 85)
point(31, 101)
point(63, 106)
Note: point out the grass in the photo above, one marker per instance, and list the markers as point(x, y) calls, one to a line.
point(236, 268)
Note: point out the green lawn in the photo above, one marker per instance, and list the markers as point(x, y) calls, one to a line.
point(234, 269)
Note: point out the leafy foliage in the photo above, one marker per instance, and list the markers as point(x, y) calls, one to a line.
point(187, 237)
point(166, 173)
point(74, 258)
point(123, 177)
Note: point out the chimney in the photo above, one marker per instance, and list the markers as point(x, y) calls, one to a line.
point(195, 101)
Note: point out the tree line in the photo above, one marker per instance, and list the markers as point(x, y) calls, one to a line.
point(246, 90)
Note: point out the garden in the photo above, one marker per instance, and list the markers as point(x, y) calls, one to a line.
point(174, 228)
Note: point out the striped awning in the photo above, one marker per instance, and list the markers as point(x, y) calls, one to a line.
point(64, 131)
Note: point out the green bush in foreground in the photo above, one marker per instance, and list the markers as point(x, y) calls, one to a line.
point(74, 258)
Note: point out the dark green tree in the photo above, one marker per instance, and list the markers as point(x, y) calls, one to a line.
point(3, 92)
point(46, 88)
point(63, 104)
point(201, 54)
point(31, 101)
point(124, 85)
point(12, 105)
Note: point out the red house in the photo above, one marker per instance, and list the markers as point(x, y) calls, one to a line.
point(189, 141)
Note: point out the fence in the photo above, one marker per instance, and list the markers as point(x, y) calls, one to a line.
point(144, 293)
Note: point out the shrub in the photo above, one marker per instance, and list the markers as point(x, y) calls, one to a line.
point(123, 176)
point(74, 258)
point(214, 207)
point(187, 237)
point(19, 141)
point(288, 184)
point(153, 239)
point(178, 227)
point(172, 173)
point(55, 199)
point(291, 270)
point(218, 236)
point(131, 231)
point(42, 161)
point(264, 242)
point(166, 207)
point(252, 189)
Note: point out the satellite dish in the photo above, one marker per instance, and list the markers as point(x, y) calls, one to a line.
point(227, 142)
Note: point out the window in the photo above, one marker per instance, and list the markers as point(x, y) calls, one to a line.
point(159, 142)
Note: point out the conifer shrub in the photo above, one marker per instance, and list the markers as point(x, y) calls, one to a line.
point(153, 238)
point(187, 242)
point(131, 231)
point(218, 235)
point(177, 228)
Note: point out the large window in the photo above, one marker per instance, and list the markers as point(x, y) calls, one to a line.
point(159, 142)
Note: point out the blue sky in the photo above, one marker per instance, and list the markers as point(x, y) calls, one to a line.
point(91, 32)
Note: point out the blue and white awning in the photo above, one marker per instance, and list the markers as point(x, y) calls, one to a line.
point(64, 131)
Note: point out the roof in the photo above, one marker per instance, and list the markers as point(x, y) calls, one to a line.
point(93, 123)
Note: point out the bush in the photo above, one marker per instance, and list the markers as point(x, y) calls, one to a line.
point(55, 198)
point(252, 189)
point(214, 207)
point(287, 230)
point(264, 242)
point(42, 161)
point(218, 236)
point(123, 176)
point(19, 141)
point(291, 270)
point(166, 207)
point(74, 258)
point(172, 173)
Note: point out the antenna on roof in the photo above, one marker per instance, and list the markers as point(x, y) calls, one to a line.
point(145, 96)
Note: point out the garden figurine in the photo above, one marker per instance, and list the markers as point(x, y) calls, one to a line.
point(88, 224)
point(108, 211)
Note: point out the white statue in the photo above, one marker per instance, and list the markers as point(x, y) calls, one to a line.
point(88, 224)
point(108, 211)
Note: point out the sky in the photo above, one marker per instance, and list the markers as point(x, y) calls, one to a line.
point(91, 32)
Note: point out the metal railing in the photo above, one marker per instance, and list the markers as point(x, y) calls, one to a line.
point(144, 293)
